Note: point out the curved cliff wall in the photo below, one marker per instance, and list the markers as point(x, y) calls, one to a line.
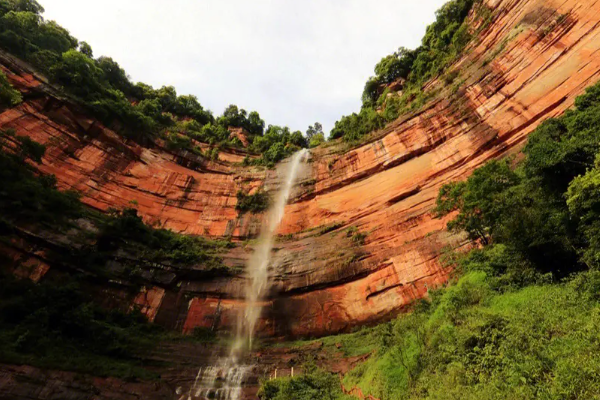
point(527, 65)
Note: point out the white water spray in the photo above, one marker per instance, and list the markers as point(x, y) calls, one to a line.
point(224, 381)
point(258, 265)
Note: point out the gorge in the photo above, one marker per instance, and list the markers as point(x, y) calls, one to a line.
point(351, 240)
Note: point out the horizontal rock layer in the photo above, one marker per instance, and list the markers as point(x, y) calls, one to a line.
point(527, 65)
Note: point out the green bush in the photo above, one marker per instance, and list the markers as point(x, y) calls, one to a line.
point(357, 237)
point(316, 140)
point(330, 228)
point(254, 203)
point(313, 384)
point(125, 229)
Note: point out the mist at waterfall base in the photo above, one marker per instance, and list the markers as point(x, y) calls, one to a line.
point(224, 380)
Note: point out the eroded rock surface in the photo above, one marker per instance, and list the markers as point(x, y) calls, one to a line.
point(528, 65)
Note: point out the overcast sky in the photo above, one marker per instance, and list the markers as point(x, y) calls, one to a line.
point(295, 62)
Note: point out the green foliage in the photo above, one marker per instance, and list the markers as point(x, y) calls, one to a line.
point(525, 209)
point(313, 384)
point(316, 140)
point(565, 147)
point(125, 229)
point(176, 141)
point(9, 97)
point(276, 144)
point(232, 116)
point(442, 43)
point(80, 73)
point(479, 199)
point(314, 130)
point(475, 342)
point(204, 335)
point(254, 203)
point(394, 66)
point(86, 49)
point(353, 127)
point(56, 324)
point(330, 228)
point(213, 154)
point(357, 237)
point(583, 200)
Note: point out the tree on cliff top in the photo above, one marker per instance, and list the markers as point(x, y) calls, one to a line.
point(444, 39)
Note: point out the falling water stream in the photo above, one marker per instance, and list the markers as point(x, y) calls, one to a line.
point(223, 381)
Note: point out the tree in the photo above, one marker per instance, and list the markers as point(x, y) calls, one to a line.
point(80, 74)
point(565, 147)
point(86, 49)
point(189, 106)
point(256, 125)
point(22, 22)
point(116, 76)
point(167, 95)
point(54, 37)
point(313, 130)
point(395, 66)
point(479, 200)
point(143, 91)
point(28, 5)
point(234, 116)
point(297, 139)
point(371, 91)
point(150, 107)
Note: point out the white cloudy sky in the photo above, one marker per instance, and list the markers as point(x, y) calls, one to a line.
point(295, 62)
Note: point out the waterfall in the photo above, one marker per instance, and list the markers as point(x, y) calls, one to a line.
point(224, 380)
point(258, 265)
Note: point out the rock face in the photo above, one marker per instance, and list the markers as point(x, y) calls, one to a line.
point(527, 65)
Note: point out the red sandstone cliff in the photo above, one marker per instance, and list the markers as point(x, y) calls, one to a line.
point(529, 64)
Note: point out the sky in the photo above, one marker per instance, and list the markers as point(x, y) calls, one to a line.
point(295, 62)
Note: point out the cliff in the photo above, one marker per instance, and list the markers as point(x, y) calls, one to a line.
point(527, 64)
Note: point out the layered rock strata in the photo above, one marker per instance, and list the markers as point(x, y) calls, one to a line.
point(359, 242)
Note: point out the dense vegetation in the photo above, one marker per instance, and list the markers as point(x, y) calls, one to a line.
point(56, 324)
point(315, 135)
point(254, 203)
point(137, 111)
point(313, 384)
point(276, 144)
point(442, 43)
point(522, 320)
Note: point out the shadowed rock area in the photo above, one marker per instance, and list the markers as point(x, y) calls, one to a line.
point(527, 65)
